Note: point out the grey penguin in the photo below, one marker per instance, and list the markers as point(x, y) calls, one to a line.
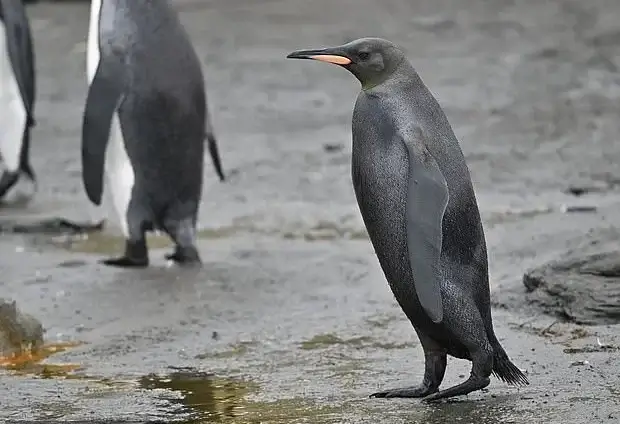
point(415, 194)
point(144, 125)
point(17, 97)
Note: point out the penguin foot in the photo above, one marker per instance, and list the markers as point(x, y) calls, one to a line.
point(185, 256)
point(136, 256)
point(126, 262)
point(406, 392)
point(472, 384)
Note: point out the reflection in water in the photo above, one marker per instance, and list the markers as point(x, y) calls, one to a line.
point(210, 399)
point(214, 399)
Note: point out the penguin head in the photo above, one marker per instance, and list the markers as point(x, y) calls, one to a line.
point(371, 60)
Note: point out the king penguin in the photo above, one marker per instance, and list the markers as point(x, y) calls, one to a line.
point(17, 96)
point(144, 125)
point(417, 202)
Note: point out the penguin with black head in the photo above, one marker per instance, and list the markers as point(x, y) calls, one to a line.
point(417, 201)
point(144, 125)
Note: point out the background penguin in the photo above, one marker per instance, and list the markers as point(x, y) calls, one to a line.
point(147, 101)
point(17, 95)
point(415, 194)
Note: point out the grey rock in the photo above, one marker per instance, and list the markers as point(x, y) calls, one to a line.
point(19, 332)
point(578, 288)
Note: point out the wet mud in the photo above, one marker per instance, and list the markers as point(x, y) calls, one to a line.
point(290, 319)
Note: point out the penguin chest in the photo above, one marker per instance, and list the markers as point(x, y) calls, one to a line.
point(380, 179)
point(379, 176)
point(12, 110)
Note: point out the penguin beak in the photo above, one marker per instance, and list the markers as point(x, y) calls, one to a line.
point(329, 55)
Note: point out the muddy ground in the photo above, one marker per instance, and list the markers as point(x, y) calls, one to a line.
point(291, 319)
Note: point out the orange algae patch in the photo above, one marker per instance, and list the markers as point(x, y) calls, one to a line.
point(29, 361)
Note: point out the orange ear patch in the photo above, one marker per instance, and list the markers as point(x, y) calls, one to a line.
point(330, 58)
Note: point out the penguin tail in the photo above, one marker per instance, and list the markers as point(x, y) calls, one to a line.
point(506, 371)
point(213, 149)
point(215, 155)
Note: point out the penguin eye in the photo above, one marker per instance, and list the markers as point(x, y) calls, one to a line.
point(364, 55)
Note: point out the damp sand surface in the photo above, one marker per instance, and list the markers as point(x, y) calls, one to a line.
point(290, 320)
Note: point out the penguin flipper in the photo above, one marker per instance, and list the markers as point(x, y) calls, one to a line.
point(427, 199)
point(21, 55)
point(104, 96)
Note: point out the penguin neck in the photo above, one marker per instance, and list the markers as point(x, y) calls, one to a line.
point(401, 74)
point(370, 83)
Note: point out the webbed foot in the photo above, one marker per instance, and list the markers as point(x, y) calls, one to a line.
point(126, 262)
point(136, 256)
point(472, 384)
point(405, 392)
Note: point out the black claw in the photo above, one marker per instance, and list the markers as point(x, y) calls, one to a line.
point(431, 398)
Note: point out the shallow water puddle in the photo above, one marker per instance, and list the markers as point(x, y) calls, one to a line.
point(204, 394)
point(209, 398)
point(234, 350)
point(197, 397)
point(104, 243)
point(30, 363)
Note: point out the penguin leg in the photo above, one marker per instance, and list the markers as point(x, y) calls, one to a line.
point(183, 233)
point(25, 165)
point(478, 379)
point(136, 251)
point(435, 359)
point(7, 181)
point(472, 334)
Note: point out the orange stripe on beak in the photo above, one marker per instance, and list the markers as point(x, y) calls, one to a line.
point(330, 58)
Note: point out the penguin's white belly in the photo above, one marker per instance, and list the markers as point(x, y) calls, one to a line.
point(12, 110)
point(119, 172)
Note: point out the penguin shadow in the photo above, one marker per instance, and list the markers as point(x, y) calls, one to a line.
point(15, 223)
point(487, 410)
point(20, 214)
point(156, 278)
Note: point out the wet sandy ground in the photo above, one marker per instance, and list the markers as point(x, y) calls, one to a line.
point(291, 316)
